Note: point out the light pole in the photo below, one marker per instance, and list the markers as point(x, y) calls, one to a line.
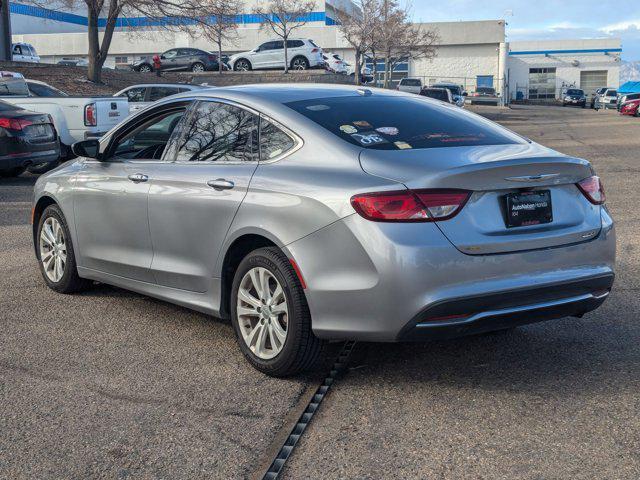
point(5, 31)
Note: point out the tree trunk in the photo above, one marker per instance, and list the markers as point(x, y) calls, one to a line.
point(95, 67)
point(358, 69)
point(286, 56)
point(220, 56)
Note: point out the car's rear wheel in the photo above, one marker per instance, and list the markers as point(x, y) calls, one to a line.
point(197, 67)
point(270, 315)
point(242, 65)
point(12, 172)
point(55, 254)
point(144, 68)
point(299, 63)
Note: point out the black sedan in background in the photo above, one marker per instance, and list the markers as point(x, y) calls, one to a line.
point(180, 59)
point(27, 140)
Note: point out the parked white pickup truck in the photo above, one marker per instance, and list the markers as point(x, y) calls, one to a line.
point(75, 118)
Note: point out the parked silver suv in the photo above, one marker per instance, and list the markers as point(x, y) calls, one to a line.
point(305, 213)
point(301, 53)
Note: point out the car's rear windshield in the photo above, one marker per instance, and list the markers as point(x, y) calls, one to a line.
point(410, 82)
point(438, 93)
point(383, 122)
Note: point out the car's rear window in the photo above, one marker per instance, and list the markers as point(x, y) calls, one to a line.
point(396, 123)
point(410, 82)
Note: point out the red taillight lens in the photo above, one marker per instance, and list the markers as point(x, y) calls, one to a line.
point(410, 205)
point(14, 123)
point(90, 119)
point(315, 50)
point(592, 188)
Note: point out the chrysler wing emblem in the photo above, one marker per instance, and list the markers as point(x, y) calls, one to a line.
point(533, 178)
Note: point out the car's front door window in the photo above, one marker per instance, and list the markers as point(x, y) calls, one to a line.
point(147, 141)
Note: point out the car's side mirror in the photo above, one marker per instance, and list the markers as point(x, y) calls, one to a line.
point(86, 148)
point(464, 94)
point(162, 57)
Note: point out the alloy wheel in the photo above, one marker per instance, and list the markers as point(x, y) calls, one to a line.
point(145, 69)
point(299, 64)
point(262, 312)
point(53, 249)
point(198, 67)
point(242, 66)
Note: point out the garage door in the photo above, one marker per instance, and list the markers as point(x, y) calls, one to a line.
point(590, 81)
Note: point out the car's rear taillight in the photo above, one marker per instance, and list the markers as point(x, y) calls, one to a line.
point(592, 188)
point(315, 50)
point(410, 205)
point(14, 123)
point(90, 118)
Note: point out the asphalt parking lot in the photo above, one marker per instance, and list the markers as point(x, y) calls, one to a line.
point(111, 384)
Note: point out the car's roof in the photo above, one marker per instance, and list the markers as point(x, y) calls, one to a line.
point(179, 85)
point(291, 92)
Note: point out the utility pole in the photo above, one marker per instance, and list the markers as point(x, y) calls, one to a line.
point(5, 31)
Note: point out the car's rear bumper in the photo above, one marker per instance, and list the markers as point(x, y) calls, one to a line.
point(465, 316)
point(374, 281)
point(27, 158)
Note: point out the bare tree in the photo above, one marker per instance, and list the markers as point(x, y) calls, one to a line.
point(102, 16)
point(357, 27)
point(282, 17)
point(221, 26)
point(400, 40)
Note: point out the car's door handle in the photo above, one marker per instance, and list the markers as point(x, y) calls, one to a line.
point(221, 184)
point(138, 177)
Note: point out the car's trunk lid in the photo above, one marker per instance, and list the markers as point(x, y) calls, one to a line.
point(492, 172)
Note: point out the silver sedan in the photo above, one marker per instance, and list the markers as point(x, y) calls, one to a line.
point(308, 213)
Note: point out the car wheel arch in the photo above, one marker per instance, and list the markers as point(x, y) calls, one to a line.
point(240, 60)
point(303, 57)
point(40, 206)
point(239, 248)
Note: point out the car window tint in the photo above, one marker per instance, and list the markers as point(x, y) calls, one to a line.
point(273, 141)
point(40, 90)
point(135, 94)
point(170, 53)
point(17, 50)
point(157, 93)
point(294, 43)
point(217, 132)
point(148, 141)
point(278, 45)
point(395, 123)
point(411, 82)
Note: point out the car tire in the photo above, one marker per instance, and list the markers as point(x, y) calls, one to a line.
point(260, 330)
point(197, 67)
point(242, 65)
point(299, 63)
point(62, 276)
point(12, 172)
point(144, 68)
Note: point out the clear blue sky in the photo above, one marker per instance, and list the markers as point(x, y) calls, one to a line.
point(546, 19)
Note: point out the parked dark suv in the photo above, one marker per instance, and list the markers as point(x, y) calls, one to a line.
point(177, 59)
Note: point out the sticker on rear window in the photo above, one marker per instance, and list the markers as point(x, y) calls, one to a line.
point(368, 138)
point(362, 124)
point(388, 130)
point(402, 145)
point(348, 129)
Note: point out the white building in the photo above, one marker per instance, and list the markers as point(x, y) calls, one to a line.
point(468, 53)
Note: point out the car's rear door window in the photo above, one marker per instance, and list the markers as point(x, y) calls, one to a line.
point(274, 142)
point(219, 132)
point(156, 93)
point(396, 123)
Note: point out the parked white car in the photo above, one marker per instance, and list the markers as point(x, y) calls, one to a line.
point(334, 62)
point(302, 54)
point(75, 118)
point(140, 96)
point(24, 52)
point(366, 72)
point(411, 85)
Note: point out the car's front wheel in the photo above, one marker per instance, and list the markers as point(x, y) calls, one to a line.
point(197, 67)
point(270, 315)
point(55, 254)
point(144, 68)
